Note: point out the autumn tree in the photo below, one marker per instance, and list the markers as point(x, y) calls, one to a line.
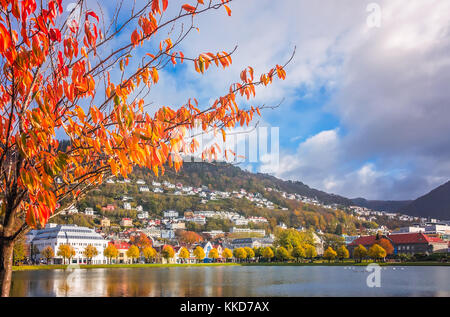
point(90, 252)
point(267, 253)
point(141, 241)
point(329, 254)
point(133, 253)
point(213, 254)
point(167, 252)
point(376, 252)
point(359, 253)
point(111, 252)
point(342, 253)
point(282, 254)
point(239, 253)
point(20, 251)
point(250, 253)
point(199, 253)
point(149, 253)
point(189, 237)
point(184, 254)
point(70, 72)
point(298, 253)
point(227, 254)
point(66, 251)
point(310, 252)
point(386, 245)
point(48, 253)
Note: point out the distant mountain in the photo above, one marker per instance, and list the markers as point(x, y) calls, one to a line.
point(384, 205)
point(435, 204)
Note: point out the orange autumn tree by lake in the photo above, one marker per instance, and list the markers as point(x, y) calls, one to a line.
point(65, 72)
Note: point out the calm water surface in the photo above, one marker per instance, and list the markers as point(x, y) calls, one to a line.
point(245, 281)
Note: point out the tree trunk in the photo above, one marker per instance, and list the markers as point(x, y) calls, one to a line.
point(6, 259)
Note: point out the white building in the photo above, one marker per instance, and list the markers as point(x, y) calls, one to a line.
point(89, 211)
point(168, 234)
point(170, 214)
point(79, 238)
point(127, 206)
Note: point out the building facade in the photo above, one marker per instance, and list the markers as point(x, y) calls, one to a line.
point(79, 238)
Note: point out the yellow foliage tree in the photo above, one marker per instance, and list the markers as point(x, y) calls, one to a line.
point(149, 253)
point(48, 253)
point(343, 253)
point(199, 253)
point(213, 254)
point(329, 254)
point(184, 254)
point(267, 253)
point(239, 253)
point(359, 253)
point(310, 252)
point(227, 254)
point(167, 252)
point(66, 251)
point(133, 253)
point(90, 252)
point(110, 252)
point(376, 252)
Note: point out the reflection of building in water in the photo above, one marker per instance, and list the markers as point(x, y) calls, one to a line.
point(79, 238)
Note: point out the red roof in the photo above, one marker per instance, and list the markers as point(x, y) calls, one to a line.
point(401, 238)
point(121, 245)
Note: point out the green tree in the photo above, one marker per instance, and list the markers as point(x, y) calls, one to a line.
point(240, 254)
point(199, 253)
point(268, 253)
point(282, 254)
point(329, 254)
point(133, 253)
point(48, 254)
point(149, 253)
point(90, 252)
point(111, 252)
point(298, 253)
point(227, 254)
point(359, 253)
point(342, 253)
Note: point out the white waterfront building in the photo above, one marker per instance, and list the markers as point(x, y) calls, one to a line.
point(79, 238)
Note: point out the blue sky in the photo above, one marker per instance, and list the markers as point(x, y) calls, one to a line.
point(365, 108)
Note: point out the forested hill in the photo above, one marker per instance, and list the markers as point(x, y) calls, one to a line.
point(227, 177)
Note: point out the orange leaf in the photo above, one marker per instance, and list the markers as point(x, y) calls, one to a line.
point(188, 8)
point(228, 10)
point(135, 38)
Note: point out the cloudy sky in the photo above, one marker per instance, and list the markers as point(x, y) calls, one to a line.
point(366, 101)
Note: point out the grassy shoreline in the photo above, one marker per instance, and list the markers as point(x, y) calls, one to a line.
point(96, 266)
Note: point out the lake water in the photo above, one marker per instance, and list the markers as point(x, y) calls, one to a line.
point(230, 281)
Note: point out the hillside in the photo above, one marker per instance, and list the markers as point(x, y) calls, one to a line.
point(435, 204)
point(384, 205)
point(274, 205)
point(221, 176)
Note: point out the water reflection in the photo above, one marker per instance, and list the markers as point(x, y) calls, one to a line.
point(231, 281)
